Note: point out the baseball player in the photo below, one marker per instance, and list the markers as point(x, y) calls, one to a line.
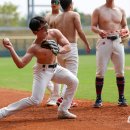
point(54, 88)
point(109, 21)
point(45, 49)
point(69, 24)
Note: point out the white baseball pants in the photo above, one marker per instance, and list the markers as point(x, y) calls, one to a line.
point(42, 76)
point(109, 50)
point(69, 61)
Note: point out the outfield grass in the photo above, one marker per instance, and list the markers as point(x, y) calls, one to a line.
point(21, 79)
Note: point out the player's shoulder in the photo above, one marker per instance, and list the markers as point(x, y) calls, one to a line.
point(120, 9)
point(98, 9)
point(73, 14)
point(31, 48)
point(53, 31)
point(48, 14)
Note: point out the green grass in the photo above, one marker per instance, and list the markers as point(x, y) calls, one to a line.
point(21, 79)
point(86, 75)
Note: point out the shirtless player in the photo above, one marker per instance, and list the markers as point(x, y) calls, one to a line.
point(54, 88)
point(109, 21)
point(69, 24)
point(45, 69)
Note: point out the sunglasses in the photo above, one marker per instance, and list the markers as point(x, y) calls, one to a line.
point(41, 28)
point(56, 2)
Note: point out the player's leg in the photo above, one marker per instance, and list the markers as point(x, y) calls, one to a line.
point(64, 76)
point(70, 62)
point(118, 59)
point(103, 53)
point(40, 81)
point(50, 87)
point(54, 95)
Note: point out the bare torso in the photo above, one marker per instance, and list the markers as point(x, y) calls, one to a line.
point(109, 19)
point(50, 19)
point(65, 23)
point(44, 56)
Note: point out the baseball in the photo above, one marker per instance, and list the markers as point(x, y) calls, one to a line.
point(6, 39)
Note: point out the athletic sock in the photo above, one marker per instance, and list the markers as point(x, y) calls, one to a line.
point(99, 86)
point(120, 84)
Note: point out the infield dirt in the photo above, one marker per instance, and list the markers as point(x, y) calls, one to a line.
point(109, 117)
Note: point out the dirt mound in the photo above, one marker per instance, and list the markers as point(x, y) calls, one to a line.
point(109, 117)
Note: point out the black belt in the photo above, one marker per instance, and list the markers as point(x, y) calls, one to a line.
point(50, 66)
point(114, 37)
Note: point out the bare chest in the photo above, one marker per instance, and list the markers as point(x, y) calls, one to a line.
point(51, 21)
point(43, 55)
point(110, 15)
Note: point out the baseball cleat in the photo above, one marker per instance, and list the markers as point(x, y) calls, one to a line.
point(98, 103)
point(74, 104)
point(1, 114)
point(66, 115)
point(51, 103)
point(122, 102)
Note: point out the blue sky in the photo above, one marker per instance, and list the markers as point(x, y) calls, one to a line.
point(86, 6)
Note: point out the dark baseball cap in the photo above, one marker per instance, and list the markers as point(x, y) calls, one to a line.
point(55, 2)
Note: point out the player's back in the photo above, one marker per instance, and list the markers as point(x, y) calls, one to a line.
point(65, 23)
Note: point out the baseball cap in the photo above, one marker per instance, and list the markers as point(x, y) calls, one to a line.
point(55, 2)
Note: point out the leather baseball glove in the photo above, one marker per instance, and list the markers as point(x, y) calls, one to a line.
point(125, 36)
point(125, 39)
point(52, 45)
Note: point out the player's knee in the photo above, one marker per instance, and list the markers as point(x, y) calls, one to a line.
point(99, 75)
point(119, 74)
point(75, 82)
point(35, 101)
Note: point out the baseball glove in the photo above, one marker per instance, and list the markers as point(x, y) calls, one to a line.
point(125, 36)
point(125, 39)
point(52, 45)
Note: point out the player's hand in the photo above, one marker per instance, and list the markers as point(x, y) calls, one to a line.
point(103, 34)
point(124, 32)
point(7, 44)
point(88, 49)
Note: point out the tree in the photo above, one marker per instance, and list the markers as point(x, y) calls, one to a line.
point(9, 15)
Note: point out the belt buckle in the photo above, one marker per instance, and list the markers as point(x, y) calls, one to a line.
point(52, 66)
point(112, 37)
point(45, 66)
point(49, 66)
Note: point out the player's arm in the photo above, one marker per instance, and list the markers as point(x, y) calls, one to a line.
point(95, 24)
point(62, 41)
point(94, 21)
point(20, 62)
point(78, 26)
point(124, 25)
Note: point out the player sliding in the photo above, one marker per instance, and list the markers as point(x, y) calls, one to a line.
point(45, 49)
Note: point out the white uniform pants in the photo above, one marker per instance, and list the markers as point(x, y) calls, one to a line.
point(42, 76)
point(109, 50)
point(69, 61)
